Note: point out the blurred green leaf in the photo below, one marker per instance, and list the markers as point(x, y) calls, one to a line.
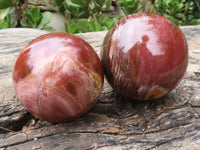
point(5, 4)
point(71, 3)
point(130, 6)
point(8, 22)
point(47, 28)
point(83, 25)
point(83, 14)
point(29, 15)
point(81, 3)
point(179, 11)
point(4, 25)
point(46, 18)
point(36, 19)
point(5, 12)
point(95, 26)
point(50, 6)
point(58, 2)
point(108, 3)
point(61, 4)
point(36, 16)
point(180, 15)
point(73, 11)
point(195, 21)
point(99, 2)
point(71, 27)
point(25, 24)
point(104, 20)
point(180, 6)
point(166, 15)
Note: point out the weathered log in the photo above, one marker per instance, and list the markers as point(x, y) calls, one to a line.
point(115, 122)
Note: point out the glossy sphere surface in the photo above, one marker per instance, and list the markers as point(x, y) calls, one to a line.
point(58, 77)
point(144, 56)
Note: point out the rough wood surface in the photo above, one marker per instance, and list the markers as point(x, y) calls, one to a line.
point(172, 122)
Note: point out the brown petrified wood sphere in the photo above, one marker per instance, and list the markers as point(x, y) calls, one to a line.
point(58, 77)
point(144, 56)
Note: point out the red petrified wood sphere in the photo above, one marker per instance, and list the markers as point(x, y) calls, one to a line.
point(58, 77)
point(144, 56)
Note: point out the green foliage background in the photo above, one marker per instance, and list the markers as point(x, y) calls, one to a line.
point(93, 15)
